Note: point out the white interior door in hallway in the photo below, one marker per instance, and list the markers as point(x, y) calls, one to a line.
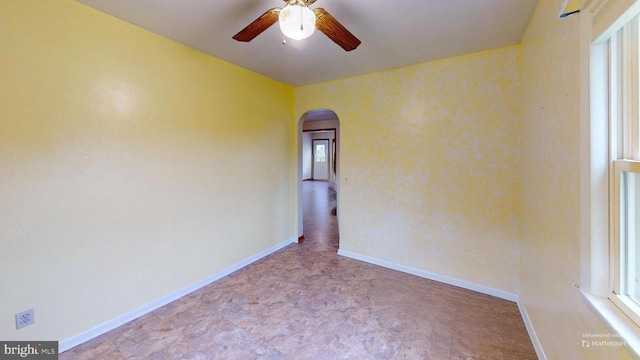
point(321, 159)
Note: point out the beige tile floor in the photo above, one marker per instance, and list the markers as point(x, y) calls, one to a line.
point(306, 302)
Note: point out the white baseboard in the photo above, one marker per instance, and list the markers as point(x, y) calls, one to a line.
point(459, 283)
point(132, 315)
point(532, 332)
point(432, 276)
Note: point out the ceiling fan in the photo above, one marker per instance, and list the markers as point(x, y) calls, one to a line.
point(298, 22)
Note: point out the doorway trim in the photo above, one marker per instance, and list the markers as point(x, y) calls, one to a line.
point(321, 116)
point(332, 148)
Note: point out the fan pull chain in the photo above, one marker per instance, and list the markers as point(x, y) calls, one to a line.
point(301, 26)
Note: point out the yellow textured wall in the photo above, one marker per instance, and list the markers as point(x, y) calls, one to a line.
point(550, 266)
point(130, 166)
point(430, 164)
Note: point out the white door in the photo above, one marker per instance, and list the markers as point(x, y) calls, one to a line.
point(321, 159)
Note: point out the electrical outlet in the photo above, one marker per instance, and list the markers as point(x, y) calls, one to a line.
point(24, 318)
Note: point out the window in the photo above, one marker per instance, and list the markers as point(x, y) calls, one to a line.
point(610, 280)
point(321, 153)
point(623, 71)
point(627, 239)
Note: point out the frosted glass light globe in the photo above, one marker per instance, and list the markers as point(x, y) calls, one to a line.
point(297, 21)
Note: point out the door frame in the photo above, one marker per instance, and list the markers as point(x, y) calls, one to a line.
point(332, 146)
point(336, 130)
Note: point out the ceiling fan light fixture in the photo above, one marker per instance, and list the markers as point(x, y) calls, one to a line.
point(297, 21)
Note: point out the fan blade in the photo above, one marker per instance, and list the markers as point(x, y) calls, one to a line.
point(335, 31)
point(258, 25)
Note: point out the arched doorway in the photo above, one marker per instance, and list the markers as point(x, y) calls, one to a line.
point(321, 124)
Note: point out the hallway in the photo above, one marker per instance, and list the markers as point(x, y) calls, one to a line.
point(306, 302)
point(320, 226)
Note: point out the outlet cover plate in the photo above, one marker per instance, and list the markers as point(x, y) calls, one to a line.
point(24, 318)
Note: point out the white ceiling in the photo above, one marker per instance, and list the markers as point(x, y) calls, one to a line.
point(394, 33)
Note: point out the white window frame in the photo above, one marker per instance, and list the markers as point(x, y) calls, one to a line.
point(623, 119)
point(604, 114)
point(629, 307)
